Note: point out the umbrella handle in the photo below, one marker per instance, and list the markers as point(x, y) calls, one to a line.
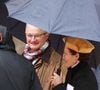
point(58, 71)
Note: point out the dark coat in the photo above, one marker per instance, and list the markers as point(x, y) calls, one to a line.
point(97, 73)
point(81, 78)
point(16, 73)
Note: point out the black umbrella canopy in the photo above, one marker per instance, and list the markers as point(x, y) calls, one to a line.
point(78, 18)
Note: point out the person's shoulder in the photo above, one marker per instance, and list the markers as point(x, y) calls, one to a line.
point(19, 58)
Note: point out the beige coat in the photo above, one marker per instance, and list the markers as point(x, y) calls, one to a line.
point(51, 62)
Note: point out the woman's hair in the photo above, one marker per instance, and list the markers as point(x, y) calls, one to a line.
point(82, 56)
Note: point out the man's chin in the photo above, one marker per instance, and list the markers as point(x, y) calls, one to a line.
point(35, 49)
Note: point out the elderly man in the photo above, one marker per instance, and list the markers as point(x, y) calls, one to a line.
point(44, 58)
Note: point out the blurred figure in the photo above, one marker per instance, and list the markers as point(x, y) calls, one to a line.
point(97, 72)
point(95, 57)
point(3, 13)
point(80, 75)
point(16, 27)
point(39, 52)
point(16, 73)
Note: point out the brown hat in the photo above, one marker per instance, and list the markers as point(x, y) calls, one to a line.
point(78, 44)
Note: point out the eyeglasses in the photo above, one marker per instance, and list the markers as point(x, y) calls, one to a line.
point(35, 36)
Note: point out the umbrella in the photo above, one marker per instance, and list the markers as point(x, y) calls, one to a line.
point(76, 18)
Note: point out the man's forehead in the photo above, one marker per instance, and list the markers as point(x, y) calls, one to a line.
point(35, 32)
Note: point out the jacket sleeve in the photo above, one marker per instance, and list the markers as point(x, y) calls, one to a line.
point(60, 87)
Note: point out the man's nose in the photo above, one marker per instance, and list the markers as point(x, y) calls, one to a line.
point(33, 38)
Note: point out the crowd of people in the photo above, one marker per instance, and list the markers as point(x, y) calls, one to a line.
point(40, 66)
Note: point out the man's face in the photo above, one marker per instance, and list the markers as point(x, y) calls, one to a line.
point(35, 37)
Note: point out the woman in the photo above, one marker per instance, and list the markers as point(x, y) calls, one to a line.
point(80, 75)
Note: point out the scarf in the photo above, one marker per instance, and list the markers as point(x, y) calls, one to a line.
point(33, 57)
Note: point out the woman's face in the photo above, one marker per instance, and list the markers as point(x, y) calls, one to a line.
point(35, 37)
point(69, 58)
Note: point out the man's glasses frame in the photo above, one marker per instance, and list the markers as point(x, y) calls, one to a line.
point(35, 36)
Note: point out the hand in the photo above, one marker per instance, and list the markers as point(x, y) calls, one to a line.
point(56, 79)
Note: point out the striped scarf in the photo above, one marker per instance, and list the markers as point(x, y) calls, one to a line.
point(34, 56)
